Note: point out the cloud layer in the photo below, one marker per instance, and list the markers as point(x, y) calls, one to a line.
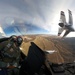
point(42, 13)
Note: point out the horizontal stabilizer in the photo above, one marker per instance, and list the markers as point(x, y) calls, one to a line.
point(70, 18)
point(62, 18)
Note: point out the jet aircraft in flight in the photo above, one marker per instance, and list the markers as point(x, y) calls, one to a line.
point(68, 27)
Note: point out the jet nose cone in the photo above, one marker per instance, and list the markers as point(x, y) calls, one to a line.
point(71, 28)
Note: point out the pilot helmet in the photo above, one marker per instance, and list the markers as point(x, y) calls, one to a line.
point(19, 40)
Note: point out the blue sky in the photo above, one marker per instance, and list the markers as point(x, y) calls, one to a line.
point(41, 13)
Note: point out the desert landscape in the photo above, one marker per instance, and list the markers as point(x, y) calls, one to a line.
point(64, 47)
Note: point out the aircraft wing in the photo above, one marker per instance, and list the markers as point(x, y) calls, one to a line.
point(66, 33)
point(62, 18)
point(60, 31)
point(70, 18)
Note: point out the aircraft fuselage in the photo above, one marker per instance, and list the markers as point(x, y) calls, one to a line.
point(66, 27)
point(69, 27)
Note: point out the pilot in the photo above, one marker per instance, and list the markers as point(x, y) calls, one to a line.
point(10, 54)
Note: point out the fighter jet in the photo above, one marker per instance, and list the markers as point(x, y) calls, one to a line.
point(68, 27)
point(49, 51)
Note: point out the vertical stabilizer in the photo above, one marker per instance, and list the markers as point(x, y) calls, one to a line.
point(62, 18)
point(70, 18)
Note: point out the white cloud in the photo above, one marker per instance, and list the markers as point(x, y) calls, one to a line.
point(43, 13)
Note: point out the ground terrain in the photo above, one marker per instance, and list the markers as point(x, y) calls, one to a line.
point(64, 47)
